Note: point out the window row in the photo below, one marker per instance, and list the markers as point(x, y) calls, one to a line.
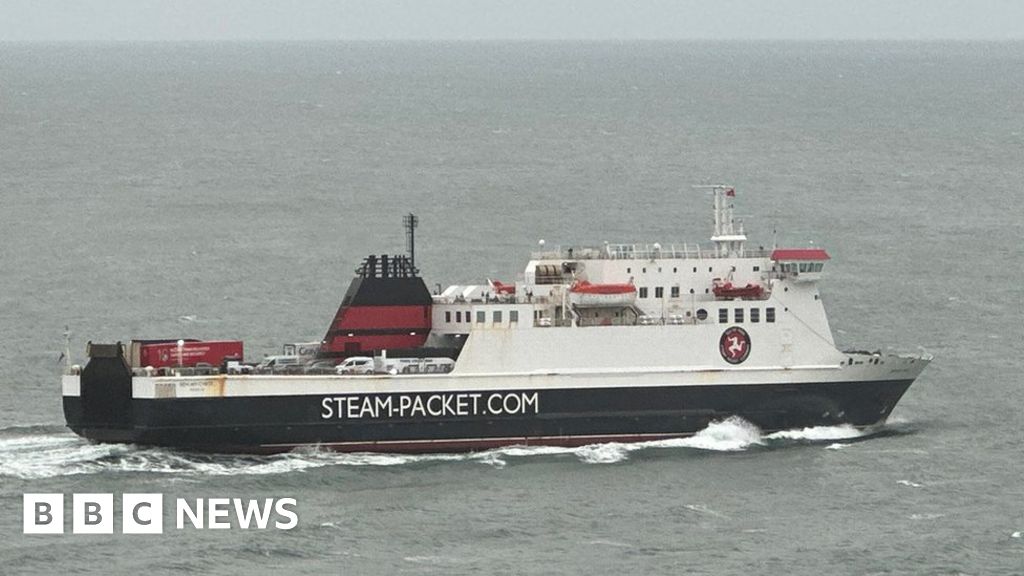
point(738, 315)
point(802, 267)
point(659, 292)
point(481, 316)
point(676, 270)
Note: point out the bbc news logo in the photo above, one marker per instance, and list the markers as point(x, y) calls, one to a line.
point(144, 513)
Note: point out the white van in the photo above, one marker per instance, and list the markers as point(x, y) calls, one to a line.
point(278, 364)
point(355, 365)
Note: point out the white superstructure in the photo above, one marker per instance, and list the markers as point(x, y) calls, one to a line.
point(675, 319)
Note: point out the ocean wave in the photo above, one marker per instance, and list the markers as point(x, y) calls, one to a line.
point(44, 451)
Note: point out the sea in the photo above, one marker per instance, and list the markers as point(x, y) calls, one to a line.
point(228, 190)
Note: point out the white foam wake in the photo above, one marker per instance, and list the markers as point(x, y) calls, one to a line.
point(729, 435)
point(33, 454)
point(819, 433)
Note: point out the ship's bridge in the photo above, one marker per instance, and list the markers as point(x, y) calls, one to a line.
point(800, 264)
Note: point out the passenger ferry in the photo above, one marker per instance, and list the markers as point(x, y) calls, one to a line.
point(608, 343)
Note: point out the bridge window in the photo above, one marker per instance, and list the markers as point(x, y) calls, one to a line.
point(755, 315)
point(448, 317)
point(769, 314)
point(739, 315)
point(497, 316)
point(513, 316)
point(723, 315)
point(458, 316)
point(481, 317)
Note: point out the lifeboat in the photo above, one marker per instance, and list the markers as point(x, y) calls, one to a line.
point(727, 291)
point(586, 295)
point(502, 289)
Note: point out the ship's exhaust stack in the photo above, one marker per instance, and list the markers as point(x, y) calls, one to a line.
point(387, 306)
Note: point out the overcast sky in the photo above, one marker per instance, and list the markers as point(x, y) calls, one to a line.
point(506, 19)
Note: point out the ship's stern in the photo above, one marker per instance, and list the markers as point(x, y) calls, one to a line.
point(98, 401)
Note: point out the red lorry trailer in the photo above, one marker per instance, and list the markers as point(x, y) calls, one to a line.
point(164, 353)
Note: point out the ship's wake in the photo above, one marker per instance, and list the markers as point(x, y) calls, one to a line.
point(46, 451)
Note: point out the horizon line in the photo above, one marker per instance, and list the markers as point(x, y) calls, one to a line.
point(506, 40)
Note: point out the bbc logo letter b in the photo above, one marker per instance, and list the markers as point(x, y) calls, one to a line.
point(92, 514)
point(43, 514)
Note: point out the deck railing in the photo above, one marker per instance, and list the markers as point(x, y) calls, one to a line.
point(641, 252)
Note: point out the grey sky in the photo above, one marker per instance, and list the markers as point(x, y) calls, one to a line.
point(493, 19)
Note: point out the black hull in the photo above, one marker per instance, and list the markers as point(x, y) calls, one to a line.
point(564, 417)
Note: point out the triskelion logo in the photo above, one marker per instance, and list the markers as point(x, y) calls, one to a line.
point(734, 345)
point(143, 513)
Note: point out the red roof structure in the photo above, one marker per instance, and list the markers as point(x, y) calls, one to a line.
point(799, 254)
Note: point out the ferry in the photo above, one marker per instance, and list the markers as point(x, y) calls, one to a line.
point(607, 343)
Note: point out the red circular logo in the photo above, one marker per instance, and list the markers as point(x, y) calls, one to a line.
point(734, 345)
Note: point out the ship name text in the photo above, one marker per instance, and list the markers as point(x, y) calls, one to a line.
point(356, 406)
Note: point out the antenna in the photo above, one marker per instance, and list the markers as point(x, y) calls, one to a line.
point(67, 348)
point(411, 222)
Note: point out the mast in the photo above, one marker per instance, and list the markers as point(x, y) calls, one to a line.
point(729, 236)
point(411, 221)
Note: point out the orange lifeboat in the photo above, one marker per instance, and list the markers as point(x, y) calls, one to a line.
point(587, 295)
point(502, 289)
point(727, 291)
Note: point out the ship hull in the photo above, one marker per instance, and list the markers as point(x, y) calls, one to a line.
point(449, 419)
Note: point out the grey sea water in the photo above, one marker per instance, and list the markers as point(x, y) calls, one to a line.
point(228, 191)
